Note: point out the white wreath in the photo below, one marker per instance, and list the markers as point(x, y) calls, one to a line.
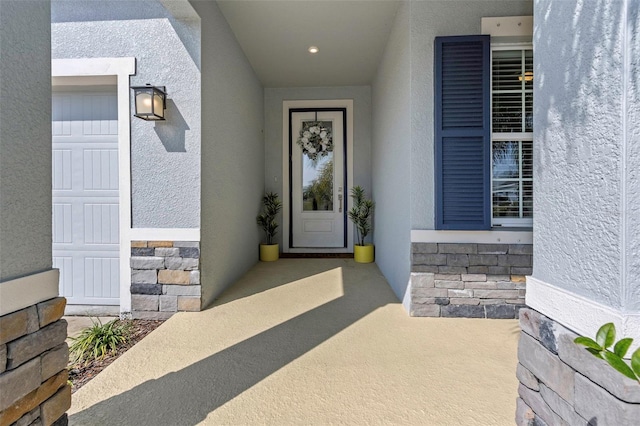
point(315, 140)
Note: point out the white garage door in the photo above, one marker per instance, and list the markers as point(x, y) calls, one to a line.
point(85, 197)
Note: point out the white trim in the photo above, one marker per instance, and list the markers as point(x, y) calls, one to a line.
point(165, 234)
point(26, 291)
point(510, 222)
point(472, 237)
point(582, 315)
point(86, 80)
point(521, 222)
point(286, 106)
point(92, 67)
point(122, 68)
point(510, 45)
point(511, 136)
point(508, 26)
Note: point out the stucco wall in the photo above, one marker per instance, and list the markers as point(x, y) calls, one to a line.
point(232, 155)
point(361, 96)
point(428, 20)
point(165, 156)
point(403, 122)
point(391, 150)
point(586, 134)
point(25, 138)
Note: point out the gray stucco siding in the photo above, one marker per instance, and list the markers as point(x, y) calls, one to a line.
point(582, 236)
point(165, 156)
point(391, 151)
point(232, 156)
point(25, 139)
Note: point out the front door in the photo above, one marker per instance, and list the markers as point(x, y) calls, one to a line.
point(317, 178)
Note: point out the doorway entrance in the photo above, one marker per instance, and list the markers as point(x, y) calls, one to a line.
point(317, 176)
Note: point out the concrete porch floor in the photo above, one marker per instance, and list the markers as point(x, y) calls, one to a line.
point(309, 341)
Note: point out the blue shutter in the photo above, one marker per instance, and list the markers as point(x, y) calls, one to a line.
point(462, 132)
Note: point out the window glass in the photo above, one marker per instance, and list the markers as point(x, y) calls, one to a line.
point(318, 177)
point(506, 160)
point(512, 137)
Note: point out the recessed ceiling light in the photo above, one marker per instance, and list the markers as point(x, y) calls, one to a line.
point(313, 49)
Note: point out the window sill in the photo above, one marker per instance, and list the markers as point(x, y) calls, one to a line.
point(512, 228)
point(498, 235)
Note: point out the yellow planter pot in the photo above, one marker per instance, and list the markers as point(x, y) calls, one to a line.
point(363, 254)
point(269, 252)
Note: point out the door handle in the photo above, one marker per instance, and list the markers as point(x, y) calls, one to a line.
point(340, 203)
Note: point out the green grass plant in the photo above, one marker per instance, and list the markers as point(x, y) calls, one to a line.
point(99, 340)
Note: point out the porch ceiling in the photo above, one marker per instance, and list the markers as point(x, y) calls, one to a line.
point(275, 36)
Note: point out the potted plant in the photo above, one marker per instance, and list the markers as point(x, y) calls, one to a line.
point(360, 215)
point(271, 205)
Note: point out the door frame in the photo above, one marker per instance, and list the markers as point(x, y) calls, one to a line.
point(97, 71)
point(337, 104)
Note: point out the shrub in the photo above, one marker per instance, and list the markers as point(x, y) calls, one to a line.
point(97, 341)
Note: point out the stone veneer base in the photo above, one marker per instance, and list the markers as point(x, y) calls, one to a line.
point(469, 280)
point(563, 384)
point(165, 278)
point(33, 362)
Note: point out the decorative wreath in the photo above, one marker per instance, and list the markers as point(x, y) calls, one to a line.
point(315, 140)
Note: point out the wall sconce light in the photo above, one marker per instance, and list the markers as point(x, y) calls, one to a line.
point(151, 102)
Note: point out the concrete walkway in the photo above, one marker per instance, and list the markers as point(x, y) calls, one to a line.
point(309, 341)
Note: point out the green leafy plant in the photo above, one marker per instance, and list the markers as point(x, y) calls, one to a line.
point(97, 341)
point(360, 213)
point(271, 205)
point(605, 338)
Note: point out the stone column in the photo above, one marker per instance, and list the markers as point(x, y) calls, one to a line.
point(165, 278)
point(586, 269)
point(33, 352)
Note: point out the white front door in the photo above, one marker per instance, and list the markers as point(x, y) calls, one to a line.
point(85, 197)
point(318, 204)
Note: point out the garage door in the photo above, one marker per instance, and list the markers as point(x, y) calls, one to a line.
point(85, 196)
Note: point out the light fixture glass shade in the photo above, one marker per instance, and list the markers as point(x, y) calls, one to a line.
point(150, 102)
point(143, 102)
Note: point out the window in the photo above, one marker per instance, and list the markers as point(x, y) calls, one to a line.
point(512, 136)
point(483, 134)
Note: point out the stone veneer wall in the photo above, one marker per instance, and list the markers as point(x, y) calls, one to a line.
point(469, 280)
point(563, 384)
point(165, 278)
point(33, 365)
